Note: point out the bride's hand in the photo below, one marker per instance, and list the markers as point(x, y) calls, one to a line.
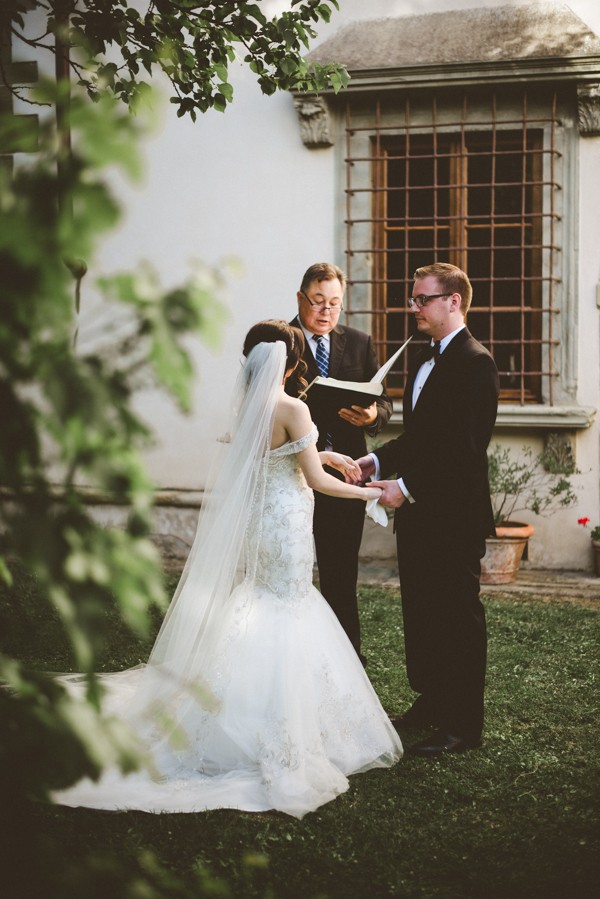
point(345, 464)
point(372, 492)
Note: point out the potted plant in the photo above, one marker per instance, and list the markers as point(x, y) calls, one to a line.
point(524, 483)
point(595, 535)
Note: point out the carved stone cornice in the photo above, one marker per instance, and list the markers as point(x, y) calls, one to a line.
point(588, 109)
point(313, 116)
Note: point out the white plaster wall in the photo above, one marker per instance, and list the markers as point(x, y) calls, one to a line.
point(239, 185)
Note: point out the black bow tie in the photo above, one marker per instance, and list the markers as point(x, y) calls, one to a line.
point(432, 351)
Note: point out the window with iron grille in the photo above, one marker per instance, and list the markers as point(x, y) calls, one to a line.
point(474, 180)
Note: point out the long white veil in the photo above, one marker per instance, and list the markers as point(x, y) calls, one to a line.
point(234, 492)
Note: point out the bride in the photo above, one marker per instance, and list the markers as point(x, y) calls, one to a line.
point(252, 698)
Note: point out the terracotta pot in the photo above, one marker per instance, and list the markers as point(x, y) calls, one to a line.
point(504, 552)
point(514, 529)
point(596, 551)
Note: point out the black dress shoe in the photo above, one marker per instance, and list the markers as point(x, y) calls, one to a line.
point(440, 743)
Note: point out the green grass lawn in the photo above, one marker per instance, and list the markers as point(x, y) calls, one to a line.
point(518, 818)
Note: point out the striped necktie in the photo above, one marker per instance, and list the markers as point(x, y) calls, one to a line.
point(321, 355)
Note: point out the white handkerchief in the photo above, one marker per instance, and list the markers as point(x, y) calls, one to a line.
point(377, 512)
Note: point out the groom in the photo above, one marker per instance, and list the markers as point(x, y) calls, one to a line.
point(443, 512)
point(346, 354)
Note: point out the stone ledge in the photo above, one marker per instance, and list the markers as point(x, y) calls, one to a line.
point(573, 418)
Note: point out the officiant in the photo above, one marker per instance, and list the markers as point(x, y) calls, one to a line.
point(334, 350)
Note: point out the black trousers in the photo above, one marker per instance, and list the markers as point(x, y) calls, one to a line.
point(444, 630)
point(338, 527)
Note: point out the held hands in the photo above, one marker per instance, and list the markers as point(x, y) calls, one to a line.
point(371, 493)
point(367, 468)
point(391, 495)
point(359, 417)
point(344, 464)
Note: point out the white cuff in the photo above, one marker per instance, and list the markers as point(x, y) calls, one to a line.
point(404, 490)
point(375, 477)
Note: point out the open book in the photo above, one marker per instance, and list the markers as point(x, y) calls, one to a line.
point(343, 394)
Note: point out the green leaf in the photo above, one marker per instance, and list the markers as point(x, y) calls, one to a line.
point(227, 91)
point(219, 102)
point(221, 71)
point(288, 65)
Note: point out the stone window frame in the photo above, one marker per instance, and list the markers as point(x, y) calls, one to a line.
point(436, 144)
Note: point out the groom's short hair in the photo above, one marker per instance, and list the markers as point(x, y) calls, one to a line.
point(450, 278)
point(322, 271)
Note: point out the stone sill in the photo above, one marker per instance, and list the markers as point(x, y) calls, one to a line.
point(553, 418)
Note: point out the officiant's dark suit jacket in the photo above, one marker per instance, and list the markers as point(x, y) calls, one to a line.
point(442, 459)
point(338, 523)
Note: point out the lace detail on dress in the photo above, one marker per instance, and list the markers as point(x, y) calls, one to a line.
point(282, 540)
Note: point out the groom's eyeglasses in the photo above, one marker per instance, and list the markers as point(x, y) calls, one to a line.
point(423, 298)
point(323, 305)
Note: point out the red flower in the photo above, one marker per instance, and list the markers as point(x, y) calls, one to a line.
point(584, 521)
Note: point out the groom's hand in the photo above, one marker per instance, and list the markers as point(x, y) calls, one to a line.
point(367, 468)
point(391, 497)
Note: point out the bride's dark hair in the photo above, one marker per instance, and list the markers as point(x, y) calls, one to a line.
point(276, 329)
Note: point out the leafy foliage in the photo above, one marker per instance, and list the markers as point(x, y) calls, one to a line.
point(524, 484)
point(193, 42)
point(67, 427)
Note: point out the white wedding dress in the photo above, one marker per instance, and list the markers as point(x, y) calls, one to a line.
point(284, 711)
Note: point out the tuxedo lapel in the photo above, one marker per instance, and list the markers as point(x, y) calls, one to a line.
point(407, 406)
point(454, 347)
point(311, 364)
point(443, 361)
point(337, 342)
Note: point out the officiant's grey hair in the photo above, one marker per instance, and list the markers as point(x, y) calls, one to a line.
point(322, 271)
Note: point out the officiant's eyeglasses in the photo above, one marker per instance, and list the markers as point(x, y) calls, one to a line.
point(323, 305)
point(423, 298)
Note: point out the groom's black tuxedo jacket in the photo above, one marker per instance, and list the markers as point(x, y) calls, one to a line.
point(441, 454)
point(351, 358)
